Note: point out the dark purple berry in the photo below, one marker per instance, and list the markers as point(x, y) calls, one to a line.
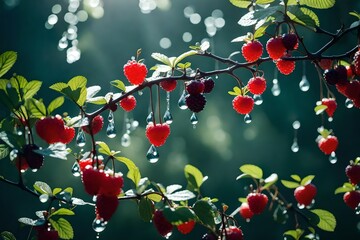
point(209, 85)
point(34, 160)
point(331, 76)
point(290, 41)
point(195, 102)
point(195, 87)
point(342, 74)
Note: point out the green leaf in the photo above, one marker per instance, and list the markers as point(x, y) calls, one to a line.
point(4, 151)
point(63, 211)
point(183, 195)
point(244, 175)
point(346, 187)
point(241, 3)
point(77, 82)
point(296, 177)
point(56, 191)
point(303, 16)
point(263, 2)
point(161, 58)
point(252, 170)
point(118, 84)
point(36, 108)
point(7, 60)
point(319, 4)
point(290, 184)
point(355, 14)
point(269, 181)
point(146, 209)
point(63, 227)
point(97, 100)
point(327, 220)
point(205, 213)
point(306, 180)
point(104, 148)
point(7, 235)
point(155, 197)
point(261, 29)
point(54, 104)
point(31, 88)
point(296, 234)
point(183, 56)
point(193, 176)
point(179, 215)
point(134, 172)
point(42, 188)
point(58, 86)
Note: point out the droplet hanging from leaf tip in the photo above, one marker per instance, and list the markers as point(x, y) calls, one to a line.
point(182, 101)
point(304, 84)
point(194, 119)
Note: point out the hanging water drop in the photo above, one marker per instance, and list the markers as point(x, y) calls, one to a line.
point(258, 99)
point(349, 103)
point(99, 225)
point(194, 119)
point(125, 140)
point(152, 154)
point(44, 198)
point(110, 130)
point(111, 116)
point(247, 118)
point(357, 209)
point(296, 125)
point(75, 169)
point(330, 119)
point(149, 118)
point(300, 206)
point(275, 90)
point(295, 146)
point(80, 138)
point(333, 158)
point(168, 117)
point(304, 84)
point(182, 101)
point(140, 93)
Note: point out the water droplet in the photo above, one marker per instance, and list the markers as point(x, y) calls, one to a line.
point(125, 140)
point(275, 90)
point(296, 125)
point(330, 119)
point(140, 93)
point(110, 130)
point(80, 138)
point(167, 236)
point(304, 84)
point(257, 99)
point(99, 225)
point(44, 198)
point(149, 118)
point(34, 170)
point(152, 154)
point(134, 125)
point(333, 158)
point(63, 43)
point(300, 206)
point(168, 117)
point(311, 204)
point(182, 101)
point(247, 220)
point(13, 154)
point(194, 119)
point(247, 118)
point(357, 209)
point(75, 169)
point(111, 116)
point(295, 146)
point(349, 103)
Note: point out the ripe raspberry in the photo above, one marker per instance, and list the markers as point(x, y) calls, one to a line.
point(325, 63)
point(168, 85)
point(356, 63)
point(352, 89)
point(290, 41)
point(106, 206)
point(92, 179)
point(285, 66)
point(257, 85)
point(195, 102)
point(209, 85)
point(252, 51)
point(157, 134)
point(162, 225)
point(353, 173)
point(128, 103)
point(195, 87)
point(352, 199)
point(331, 76)
point(96, 125)
point(350, 71)
point(50, 129)
point(234, 233)
point(33, 159)
point(68, 135)
point(245, 211)
point(331, 105)
point(135, 72)
point(304, 195)
point(275, 48)
point(328, 145)
point(111, 184)
point(257, 202)
point(243, 104)
point(44, 233)
point(186, 227)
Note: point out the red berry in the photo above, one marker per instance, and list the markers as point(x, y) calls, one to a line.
point(304, 195)
point(243, 104)
point(195, 87)
point(234, 233)
point(275, 48)
point(356, 63)
point(352, 89)
point(50, 129)
point(209, 85)
point(257, 85)
point(252, 51)
point(157, 134)
point(328, 145)
point(186, 227)
point(331, 105)
point(245, 211)
point(68, 134)
point(285, 66)
point(92, 179)
point(106, 206)
point(352, 199)
point(353, 173)
point(21, 163)
point(135, 72)
point(44, 233)
point(96, 125)
point(257, 202)
point(350, 71)
point(162, 225)
point(128, 103)
point(111, 184)
point(168, 85)
point(195, 102)
point(325, 63)
point(290, 41)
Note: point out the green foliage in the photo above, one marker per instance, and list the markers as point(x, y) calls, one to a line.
point(326, 221)
point(118, 84)
point(75, 89)
point(290, 184)
point(63, 227)
point(54, 104)
point(178, 215)
point(7, 235)
point(241, 3)
point(252, 171)
point(146, 209)
point(42, 188)
point(7, 60)
point(62, 212)
point(320, 109)
point(134, 172)
point(4, 151)
point(205, 213)
point(346, 187)
point(295, 234)
point(194, 177)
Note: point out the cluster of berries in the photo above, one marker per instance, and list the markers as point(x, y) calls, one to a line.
point(352, 171)
point(195, 99)
point(104, 184)
point(255, 204)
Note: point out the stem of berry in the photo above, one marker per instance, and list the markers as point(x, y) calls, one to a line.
point(152, 105)
point(159, 103)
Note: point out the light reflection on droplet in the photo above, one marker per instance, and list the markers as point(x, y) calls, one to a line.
point(44, 198)
point(304, 84)
point(275, 90)
point(333, 158)
point(99, 225)
point(247, 118)
point(295, 147)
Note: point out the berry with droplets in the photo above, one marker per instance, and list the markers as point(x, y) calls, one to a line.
point(257, 85)
point(304, 195)
point(195, 102)
point(135, 72)
point(243, 104)
point(128, 103)
point(158, 133)
point(275, 48)
point(257, 202)
point(252, 50)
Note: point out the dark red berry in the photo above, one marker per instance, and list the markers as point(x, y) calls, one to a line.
point(195, 102)
point(353, 173)
point(290, 41)
point(34, 159)
point(331, 76)
point(162, 225)
point(209, 85)
point(195, 87)
point(168, 85)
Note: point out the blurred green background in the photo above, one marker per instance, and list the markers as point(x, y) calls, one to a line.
point(221, 141)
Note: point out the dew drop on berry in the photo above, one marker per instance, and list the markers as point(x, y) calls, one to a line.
point(125, 140)
point(300, 206)
point(44, 198)
point(333, 158)
point(304, 84)
point(99, 225)
point(194, 119)
point(168, 119)
point(149, 118)
point(311, 204)
point(247, 118)
point(182, 101)
point(275, 90)
point(110, 130)
point(80, 138)
point(357, 209)
point(349, 103)
point(295, 146)
point(152, 154)
point(257, 99)
point(75, 169)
